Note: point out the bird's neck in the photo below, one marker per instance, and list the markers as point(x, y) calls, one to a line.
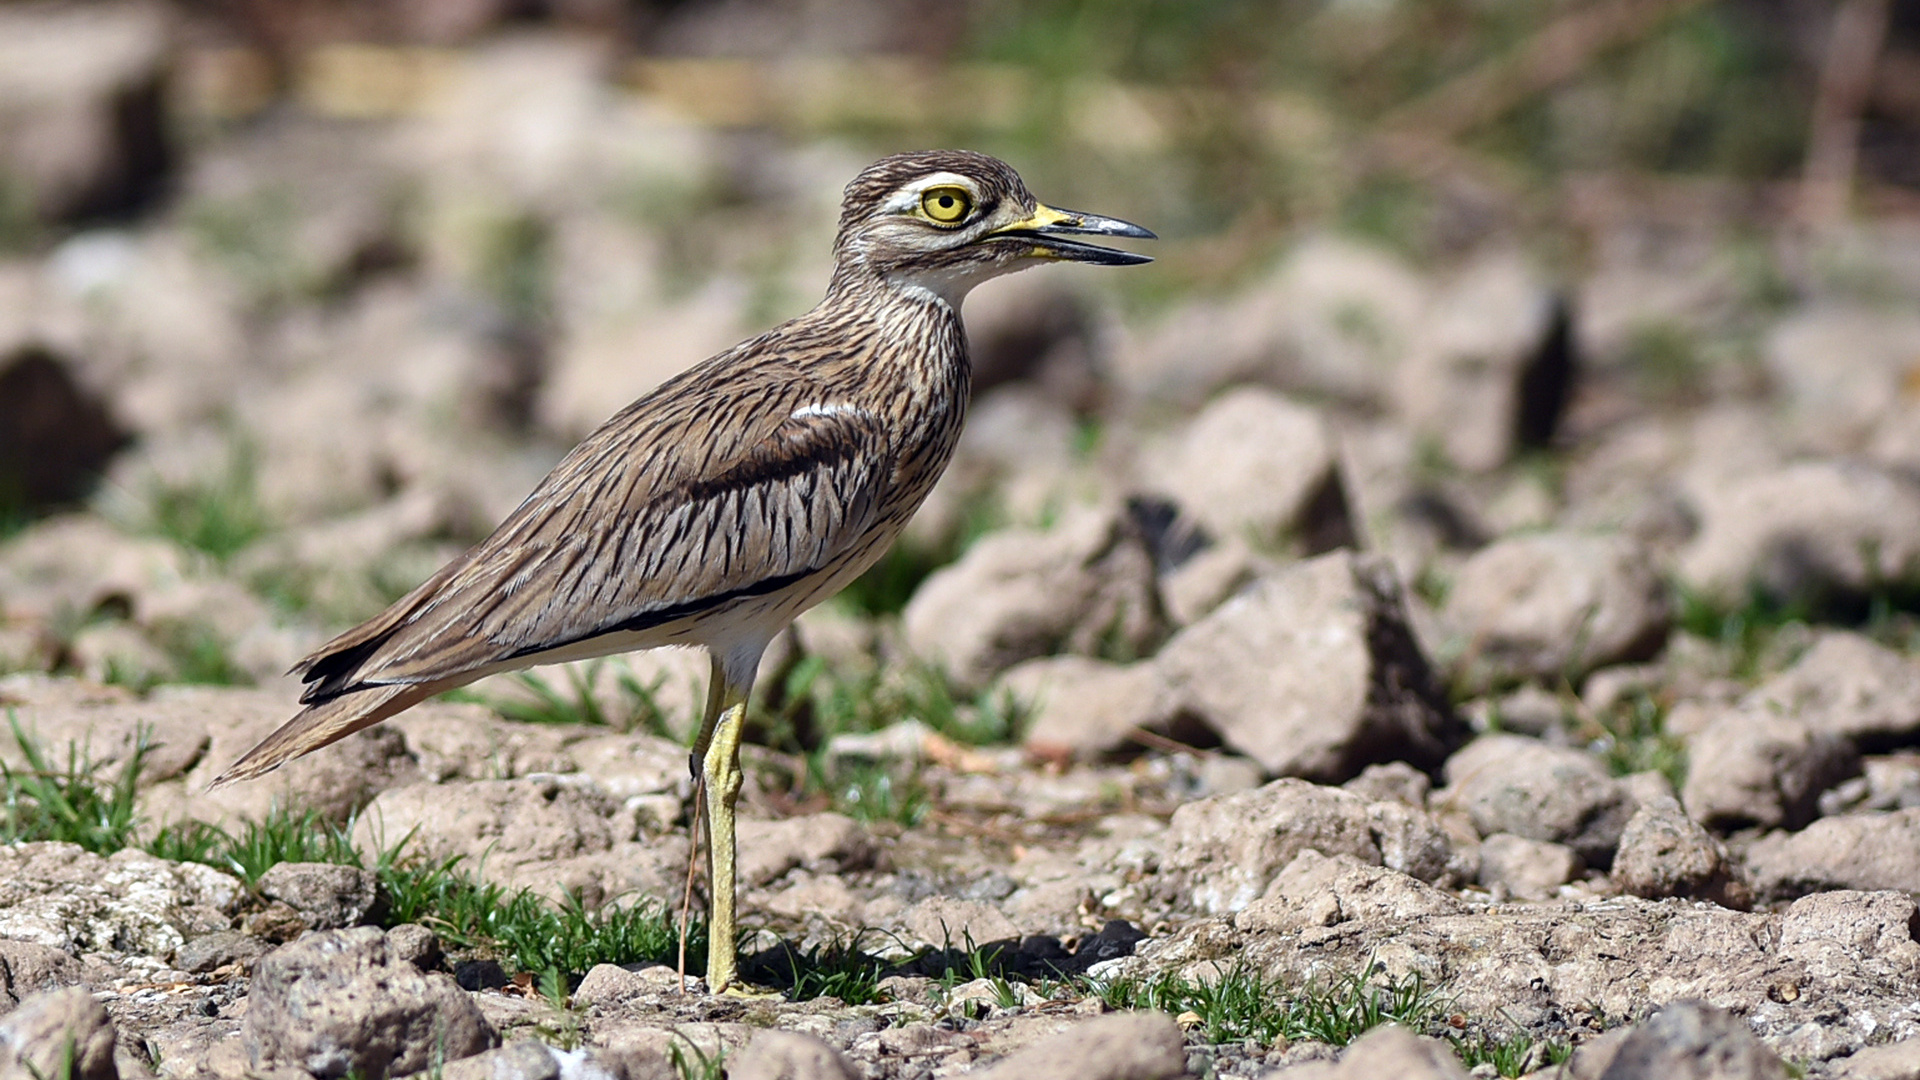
point(949, 286)
point(914, 335)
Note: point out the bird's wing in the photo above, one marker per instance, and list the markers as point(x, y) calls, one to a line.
point(661, 515)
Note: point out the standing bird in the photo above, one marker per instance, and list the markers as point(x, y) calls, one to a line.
point(737, 495)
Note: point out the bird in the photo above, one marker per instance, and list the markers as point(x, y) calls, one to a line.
point(734, 496)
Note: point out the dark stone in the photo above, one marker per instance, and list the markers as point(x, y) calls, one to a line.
point(55, 436)
point(1116, 939)
point(480, 975)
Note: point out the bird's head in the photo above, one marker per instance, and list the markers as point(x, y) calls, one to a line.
point(946, 220)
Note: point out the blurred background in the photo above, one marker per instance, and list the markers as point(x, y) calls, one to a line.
point(299, 297)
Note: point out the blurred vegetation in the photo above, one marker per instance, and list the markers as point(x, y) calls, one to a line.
point(1277, 101)
point(217, 515)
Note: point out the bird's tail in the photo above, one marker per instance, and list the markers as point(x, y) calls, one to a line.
point(324, 723)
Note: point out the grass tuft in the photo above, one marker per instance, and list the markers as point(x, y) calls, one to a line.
point(1515, 1055)
point(1745, 631)
point(1633, 738)
point(79, 803)
point(1244, 1004)
point(541, 702)
point(562, 1029)
point(76, 803)
point(219, 516)
point(837, 969)
point(870, 792)
point(471, 914)
point(694, 1063)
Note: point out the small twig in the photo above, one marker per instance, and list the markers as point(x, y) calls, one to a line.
point(1854, 44)
point(1155, 741)
point(693, 860)
point(1557, 52)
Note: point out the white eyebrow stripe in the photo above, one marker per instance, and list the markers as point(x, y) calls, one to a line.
point(909, 197)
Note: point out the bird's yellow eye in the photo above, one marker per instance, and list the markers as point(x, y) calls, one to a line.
point(946, 205)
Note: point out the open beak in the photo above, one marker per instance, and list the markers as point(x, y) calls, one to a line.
point(1048, 228)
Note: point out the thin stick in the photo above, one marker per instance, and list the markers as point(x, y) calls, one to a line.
point(1555, 53)
point(693, 859)
point(1854, 43)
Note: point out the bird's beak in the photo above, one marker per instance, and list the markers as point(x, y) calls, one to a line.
point(1046, 227)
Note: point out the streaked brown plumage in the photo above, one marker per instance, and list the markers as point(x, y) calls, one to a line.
point(735, 496)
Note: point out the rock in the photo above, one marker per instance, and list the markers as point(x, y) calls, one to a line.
point(56, 434)
point(1828, 931)
point(470, 742)
point(948, 923)
point(219, 949)
point(1690, 1040)
point(1536, 965)
point(599, 367)
point(504, 823)
point(1315, 891)
point(789, 1055)
point(635, 764)
point(1085, 587)
point(1492, 366)
point(1252, 465)
point(26, 968)
point(1118, 1046)
point(1088, 709)
point(83, 129)
point(1395, 781)
point(1851, 687)
point(1663, 852)
point(531, 1060)
point(1512, 784)
point(62, 897)
point(79, 565)
point(120, 652)
point(1526, 869)
point(331, 897)
point(1043, 337)
point(1756, 766)
point(1021, 449)
point(1209, 576)
point(211, 726)
point(1811, 533)
point(606, 984)
point(1333, 320)
point(1229, 848)
point(37, 1037)
point(1313, 672)
point(1555, 606)
point(1530, 710)
point(1886, 782)
point(1895, 1061)
point(416, 945)
point(1840, 367)
point(904, 742)
point(818, 843)
point(1388, 1050)
point(1851, 851)
point(337, 1000)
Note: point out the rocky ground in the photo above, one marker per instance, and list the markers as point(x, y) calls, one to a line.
point(1520, 650)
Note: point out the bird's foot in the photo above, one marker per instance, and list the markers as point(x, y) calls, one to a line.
point(750, 992)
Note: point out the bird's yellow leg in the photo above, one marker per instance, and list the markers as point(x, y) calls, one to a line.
point(717, 777)
point(721, 779)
